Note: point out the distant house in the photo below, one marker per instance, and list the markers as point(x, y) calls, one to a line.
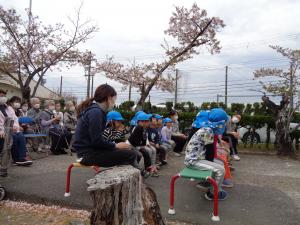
point(12, 88)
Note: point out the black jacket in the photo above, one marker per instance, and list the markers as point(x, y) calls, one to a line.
point(89, 130)
point(138, 137)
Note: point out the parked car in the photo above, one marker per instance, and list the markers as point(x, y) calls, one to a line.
point(260, 135)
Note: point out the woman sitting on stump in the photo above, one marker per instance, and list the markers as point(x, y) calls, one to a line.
point(89, 142)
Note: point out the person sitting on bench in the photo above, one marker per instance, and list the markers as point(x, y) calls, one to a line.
point(89, 142)
point(19, 150)
point(200, 149)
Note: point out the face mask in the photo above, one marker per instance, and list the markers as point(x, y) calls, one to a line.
point(36, 106)
point(16, 105)
point(24, 108)
point(176, 117)
point(51, 107)
point(72, 109)
point(235, 120)
point(3, 100)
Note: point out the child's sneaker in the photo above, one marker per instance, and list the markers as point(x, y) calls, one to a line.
point(154, 174)
point(222, 195)
point(236, 157)
point(227, 183)
point(164, 162)
point(177, 154)
point(153, 171)
point(23, 162)
point(203, 186)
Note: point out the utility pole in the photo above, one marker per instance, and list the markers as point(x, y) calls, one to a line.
point(60, 87)
point(129, 97)
point(226, 84)
point(218, 99)
point(176, 89)
point(89, 76)
point(291, 86)
point(29, 22)
point(92, 89)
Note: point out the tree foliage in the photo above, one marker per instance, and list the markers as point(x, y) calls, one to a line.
point(29, 50)
point(192, 29)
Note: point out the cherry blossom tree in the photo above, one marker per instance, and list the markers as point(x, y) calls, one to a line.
point(29, 50)
point(286, 85)
point(192, 29)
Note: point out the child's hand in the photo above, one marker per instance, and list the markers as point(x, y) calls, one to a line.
point(2, 134)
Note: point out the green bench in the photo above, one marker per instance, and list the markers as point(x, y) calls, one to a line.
point(200, 175)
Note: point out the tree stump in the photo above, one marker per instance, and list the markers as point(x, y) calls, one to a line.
point(120, 197)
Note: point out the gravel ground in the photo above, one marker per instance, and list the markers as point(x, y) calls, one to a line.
point(22, 213)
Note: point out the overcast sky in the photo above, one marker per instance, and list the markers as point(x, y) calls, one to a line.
point(135, 28)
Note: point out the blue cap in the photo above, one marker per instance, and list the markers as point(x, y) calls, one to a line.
point(201, 119)
point(157, 116)
point(143, 117)
point(114, 115)
point(215, 119)
point(218, 118)
point(217, 115)
point(168, 120)
point(133, 121)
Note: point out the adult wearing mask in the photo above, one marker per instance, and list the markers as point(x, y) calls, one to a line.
point(69, 117)
point(59, 113)
point(89, 142)
point(15, 103)
point(35, 111)
point(19, 153)
point(50, 122)
point(24, 109)
point(232, 135)
point(178, 137)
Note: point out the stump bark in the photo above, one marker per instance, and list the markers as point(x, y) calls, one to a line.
point(120, 197)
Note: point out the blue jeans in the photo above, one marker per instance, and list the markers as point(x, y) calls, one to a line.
point(18, 150)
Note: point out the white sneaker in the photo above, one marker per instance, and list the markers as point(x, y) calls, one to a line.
point(236, 158)
point(177, 154)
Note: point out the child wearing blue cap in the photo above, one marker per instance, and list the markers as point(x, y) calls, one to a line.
point(166, 134)
point(200, 149)
point(155, 141)
point(115, 131)
point(139, 141)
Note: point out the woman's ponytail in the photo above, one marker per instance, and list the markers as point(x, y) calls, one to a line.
point(83, 106)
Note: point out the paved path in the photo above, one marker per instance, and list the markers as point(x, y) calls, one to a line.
point(266, 192)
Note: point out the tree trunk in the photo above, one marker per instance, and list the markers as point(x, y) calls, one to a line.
point(281, 114)
point(121, 198)
point(26, 93)
point(284, 141)
point(268, 136)
point(142, 99)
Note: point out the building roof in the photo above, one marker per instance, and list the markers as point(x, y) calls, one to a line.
point(42, 91)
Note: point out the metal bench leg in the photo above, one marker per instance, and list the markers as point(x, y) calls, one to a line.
point(67, 193)
point(215, 216)
point(171, 210)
